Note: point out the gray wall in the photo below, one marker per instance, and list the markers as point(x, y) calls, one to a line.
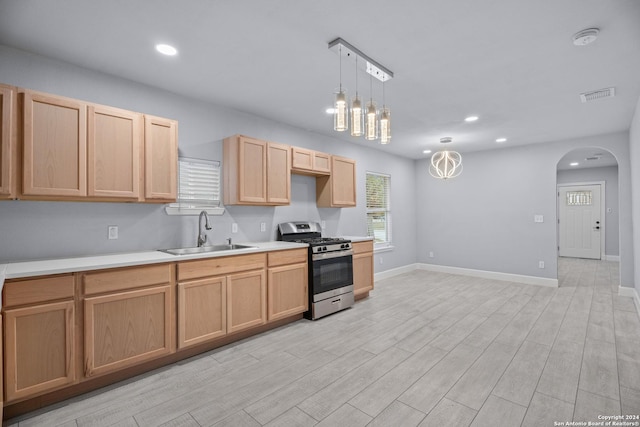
point(611, 220)
point(634, 143)
point(484, 218)
point(30, 230)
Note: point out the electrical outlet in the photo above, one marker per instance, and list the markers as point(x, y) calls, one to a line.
point(381, 260)
point(431, 254)
point(263, 226)
point(540, 264)
point(538, 218)
point(323, 224)
point(234, 228)
point(112, 232)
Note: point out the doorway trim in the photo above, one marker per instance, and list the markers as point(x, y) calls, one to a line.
point(603, 203)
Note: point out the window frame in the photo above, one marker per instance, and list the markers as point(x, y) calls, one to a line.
point(387, 244)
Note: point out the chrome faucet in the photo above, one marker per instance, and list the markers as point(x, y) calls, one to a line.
point(202, 237)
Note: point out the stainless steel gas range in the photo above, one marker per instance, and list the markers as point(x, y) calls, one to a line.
point(330, 267)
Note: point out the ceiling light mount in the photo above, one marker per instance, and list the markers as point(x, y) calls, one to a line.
point(370, 66)
point(586, 36)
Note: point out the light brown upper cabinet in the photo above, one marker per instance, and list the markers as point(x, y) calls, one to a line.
point(278, 174)
point(114, 152)
point(160, 159)
point(256, 172)
point(54, 146)
point(7, 142)
point(339, 189)
point(310, 162)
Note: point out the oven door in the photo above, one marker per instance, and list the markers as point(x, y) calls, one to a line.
point(331, 272)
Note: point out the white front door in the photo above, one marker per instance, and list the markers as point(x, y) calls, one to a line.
point(579, 224)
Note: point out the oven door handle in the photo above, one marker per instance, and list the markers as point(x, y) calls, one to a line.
point(329, 255)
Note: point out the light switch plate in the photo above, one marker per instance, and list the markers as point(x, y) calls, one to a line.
point(112, 232)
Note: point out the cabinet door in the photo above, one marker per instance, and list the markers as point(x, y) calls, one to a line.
point(321, 162)
point(287, 291)
point(38, 346)
point(114, 144)
point(160, 159)
point(246, 300)
point(362, 273)
point(278, 174)
point(301, 158)
point(252, 170)
point(339, 189)
point(126, 328)
point(202, 310)
point(7, 142)
point(54, 146)
point(343, 175)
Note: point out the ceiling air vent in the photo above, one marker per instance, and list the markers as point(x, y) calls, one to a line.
point(598, 94)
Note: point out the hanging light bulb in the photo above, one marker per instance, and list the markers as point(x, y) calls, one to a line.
point(371, 117)
point(445, 164)
point(340, 122)
point(357, 126)
point(385, 121)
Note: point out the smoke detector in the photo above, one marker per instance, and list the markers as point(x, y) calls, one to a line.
point(584, 37)
point(608, 92)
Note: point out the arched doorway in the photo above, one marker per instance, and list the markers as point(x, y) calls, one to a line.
point(588, 236)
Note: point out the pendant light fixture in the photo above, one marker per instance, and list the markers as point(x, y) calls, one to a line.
point(364, 121)
point(445, 164)
point(357, 125)
point(385, 121)
point(371, 117)
point(340, 119)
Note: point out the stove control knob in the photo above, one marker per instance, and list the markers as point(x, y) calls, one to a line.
point(324, 248)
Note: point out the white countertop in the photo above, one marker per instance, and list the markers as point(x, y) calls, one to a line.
point(16, 270)
point(358, 238)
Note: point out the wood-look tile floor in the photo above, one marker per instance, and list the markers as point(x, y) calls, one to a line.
point(425, 349)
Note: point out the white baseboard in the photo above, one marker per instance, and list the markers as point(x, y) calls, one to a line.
point(624, 291)
point(518, 278)
point(615, 258)
point(395, 271)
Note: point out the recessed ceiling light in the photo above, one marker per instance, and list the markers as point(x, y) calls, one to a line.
point(426, 151)
point(584, 37)
point(501, 140)
point(574, 164)
point(471, 119)
point(330, 110)
point(166, 49)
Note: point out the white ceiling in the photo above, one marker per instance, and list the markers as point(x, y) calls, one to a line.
point(510, 62)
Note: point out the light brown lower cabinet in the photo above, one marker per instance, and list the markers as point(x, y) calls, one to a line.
point(246, 300)
point(362, 267)
point(39, 349)
point(287, 293)
point(202, 310)
point(126, 328)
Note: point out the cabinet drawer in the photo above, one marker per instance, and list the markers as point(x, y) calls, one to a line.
point(125, 278)
point(220, 266)
point(291, 256)
point(32, 291)
point(360, 247)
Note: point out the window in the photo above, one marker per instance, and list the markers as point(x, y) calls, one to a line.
point(379, 208)
point(198, 188)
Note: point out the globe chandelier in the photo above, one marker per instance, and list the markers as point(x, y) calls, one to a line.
point(445, 164)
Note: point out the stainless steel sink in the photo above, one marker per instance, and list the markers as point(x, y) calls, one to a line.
point(205, 249)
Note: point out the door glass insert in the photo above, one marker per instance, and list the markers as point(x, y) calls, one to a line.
point(579, 198)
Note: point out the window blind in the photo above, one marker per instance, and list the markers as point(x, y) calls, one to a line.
point(378, 188)
point(198, 186)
